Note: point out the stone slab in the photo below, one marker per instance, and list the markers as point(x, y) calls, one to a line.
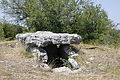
point(44, 38)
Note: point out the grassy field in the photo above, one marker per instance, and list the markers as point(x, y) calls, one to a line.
point(96, 63)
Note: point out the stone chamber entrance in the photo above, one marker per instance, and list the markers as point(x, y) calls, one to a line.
point(56, 53)
point(53, 55)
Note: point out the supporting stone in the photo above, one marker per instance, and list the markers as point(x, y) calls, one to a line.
point(73, 63)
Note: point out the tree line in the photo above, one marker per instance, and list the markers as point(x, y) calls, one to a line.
point(9, 31)
point(82, 17)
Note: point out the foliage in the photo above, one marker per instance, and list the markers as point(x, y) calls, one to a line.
point(9, 31)
point(92, 24)
point(66, 63)
point(113, 38)
point(1, 32)
point(26, 54)
point(51, 15)
point(72, 16)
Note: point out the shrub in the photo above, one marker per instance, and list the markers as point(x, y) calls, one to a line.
point(1, 32)
point(26, 54)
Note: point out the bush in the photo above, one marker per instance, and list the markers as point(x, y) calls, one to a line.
point(1, 32)
point(26, 54)
point(11, 30)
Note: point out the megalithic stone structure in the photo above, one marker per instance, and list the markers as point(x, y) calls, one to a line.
point(46, 41)
point(44, 38)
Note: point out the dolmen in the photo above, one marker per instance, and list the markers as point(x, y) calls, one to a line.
point(52, 49)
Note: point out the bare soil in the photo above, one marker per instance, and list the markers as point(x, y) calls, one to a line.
point(97, 63)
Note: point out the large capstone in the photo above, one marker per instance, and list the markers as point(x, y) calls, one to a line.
point(44, 38)
point(51, 48)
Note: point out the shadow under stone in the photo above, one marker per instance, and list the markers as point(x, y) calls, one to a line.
point(55, 54)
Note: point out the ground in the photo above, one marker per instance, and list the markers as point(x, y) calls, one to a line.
point(96, 63)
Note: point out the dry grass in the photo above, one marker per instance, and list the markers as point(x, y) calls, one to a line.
point(96, 62)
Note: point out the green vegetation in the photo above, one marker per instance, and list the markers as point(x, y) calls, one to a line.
point(72, 16)
point(66, 63)
point(1, 33)
point(9, 31)
point(113, 70)
point(26, 54)
point(5, 73)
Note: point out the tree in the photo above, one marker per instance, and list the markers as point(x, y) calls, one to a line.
point(1, 32)
point(73, 16)
point(113, 38)
point(10, 30)
point(94, 23)
point(52, 15)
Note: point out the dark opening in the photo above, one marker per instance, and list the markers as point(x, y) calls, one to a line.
point(55, 54)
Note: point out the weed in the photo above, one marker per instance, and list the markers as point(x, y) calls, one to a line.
point(26, 54)
point(66, 63)
point(4, 73)
point(113, 69)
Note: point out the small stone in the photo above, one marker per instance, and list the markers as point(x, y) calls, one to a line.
point(77, 71)
point(44, 66)
point(91, 59)
point(62, 70)
point(74, 55)
point(2, 61)
point(35, 66)
point(87, 62)
point(73, 63)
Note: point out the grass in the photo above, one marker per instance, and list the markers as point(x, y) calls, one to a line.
point(5, 73)
point(26, 54)
point(105, 59)
point(113, 70)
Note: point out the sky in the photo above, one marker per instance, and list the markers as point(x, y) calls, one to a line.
point(112, 7)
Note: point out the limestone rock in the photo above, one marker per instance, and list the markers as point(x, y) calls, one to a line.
point(39, 54)
point(66, 70)
point(73, 63)
point(62, 70)
point(44, 66)
point(44, 38)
